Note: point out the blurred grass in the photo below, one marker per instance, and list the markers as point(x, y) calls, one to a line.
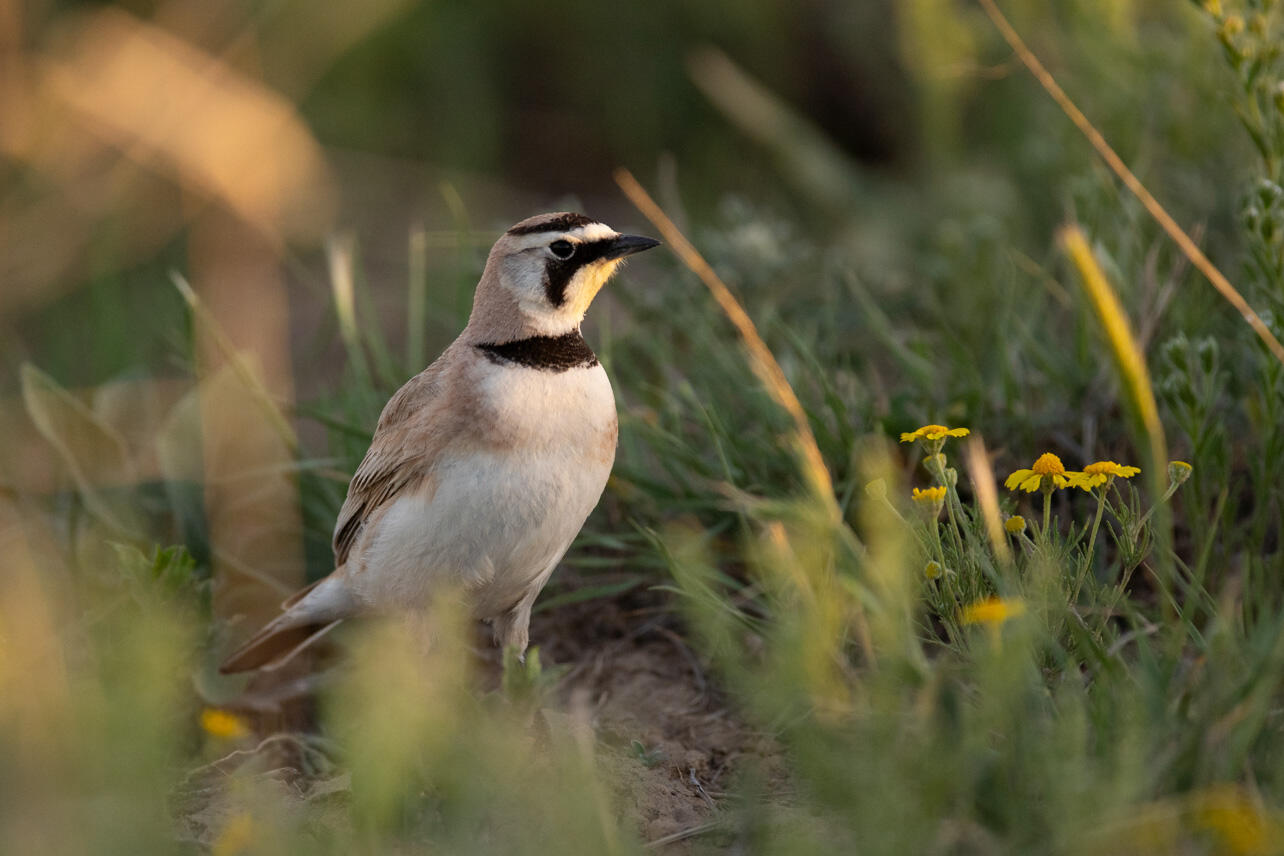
point(1122, 697)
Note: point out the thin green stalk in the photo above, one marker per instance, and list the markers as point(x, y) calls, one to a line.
point(936, 537)
point(951, 496)
point(1092, 540)
point(1047, 512)
point(950, 585)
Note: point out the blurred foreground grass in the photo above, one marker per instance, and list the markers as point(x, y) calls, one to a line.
point(949, 666)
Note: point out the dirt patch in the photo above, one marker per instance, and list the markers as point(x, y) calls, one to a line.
point(668, 742)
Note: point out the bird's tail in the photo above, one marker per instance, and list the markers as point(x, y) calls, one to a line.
point(309, 615)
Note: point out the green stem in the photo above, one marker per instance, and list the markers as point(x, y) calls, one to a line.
point(940, 551)
point(1047, 512)
point(1092, 540)
point(951, 497)
point(947, 583)
point(1096, 521)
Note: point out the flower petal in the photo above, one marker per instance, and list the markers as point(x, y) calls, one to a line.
point(1086, 481)
point(1014, 480)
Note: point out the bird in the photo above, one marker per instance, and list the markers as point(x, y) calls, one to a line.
point(484, 466)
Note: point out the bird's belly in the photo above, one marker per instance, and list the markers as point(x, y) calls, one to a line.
point(490, 522)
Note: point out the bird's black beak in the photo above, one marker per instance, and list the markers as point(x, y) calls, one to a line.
point(627, 245)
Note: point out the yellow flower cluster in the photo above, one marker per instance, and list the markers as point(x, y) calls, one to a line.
point(932, 499)
point(1048, 473)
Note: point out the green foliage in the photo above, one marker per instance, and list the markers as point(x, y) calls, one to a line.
point(169, 574)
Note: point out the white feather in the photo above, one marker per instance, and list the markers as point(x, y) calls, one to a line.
point(496, 522)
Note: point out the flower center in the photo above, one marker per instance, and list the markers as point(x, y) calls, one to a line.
point(1049, 465)
point(934, 429)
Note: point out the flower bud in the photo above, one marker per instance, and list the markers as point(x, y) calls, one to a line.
point(1178, 472)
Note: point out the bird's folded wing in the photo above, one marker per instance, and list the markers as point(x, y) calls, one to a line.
point(397, 456)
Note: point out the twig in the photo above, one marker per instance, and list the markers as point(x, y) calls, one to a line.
point(682, 835)
point(691, 777)
point(761, 360)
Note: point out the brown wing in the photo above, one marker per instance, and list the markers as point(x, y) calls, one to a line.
point(394, 459)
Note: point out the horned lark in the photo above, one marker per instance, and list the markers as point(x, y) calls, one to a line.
point(485, 465)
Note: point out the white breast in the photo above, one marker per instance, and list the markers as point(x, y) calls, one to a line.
point(497, 520)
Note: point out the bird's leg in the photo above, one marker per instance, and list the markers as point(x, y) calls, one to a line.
point(512, 629)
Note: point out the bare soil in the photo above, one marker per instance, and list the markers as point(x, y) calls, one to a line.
point(668, 741)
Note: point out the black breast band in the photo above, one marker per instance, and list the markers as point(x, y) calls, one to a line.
point(547, 353)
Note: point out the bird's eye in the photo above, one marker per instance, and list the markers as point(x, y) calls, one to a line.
point(562, 249)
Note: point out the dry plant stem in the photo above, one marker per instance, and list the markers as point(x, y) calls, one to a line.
point(271, 408)
point(1179, 236)
point(762, 362)
point(987, 496)
point(1132, 370)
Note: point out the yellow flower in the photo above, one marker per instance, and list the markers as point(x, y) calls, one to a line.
point(1235, 818)
point(993, 611)
point(1104, 472)
point(933, 432)
point(223, 724)
point(1048, 467)
point(932, 570)
point(1014, 525)
point(1179, 471)
point(933, 498)
point(1233, 25)
point(930, 496)
point(235, 837)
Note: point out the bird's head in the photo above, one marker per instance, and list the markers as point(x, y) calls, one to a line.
point(544, 272)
